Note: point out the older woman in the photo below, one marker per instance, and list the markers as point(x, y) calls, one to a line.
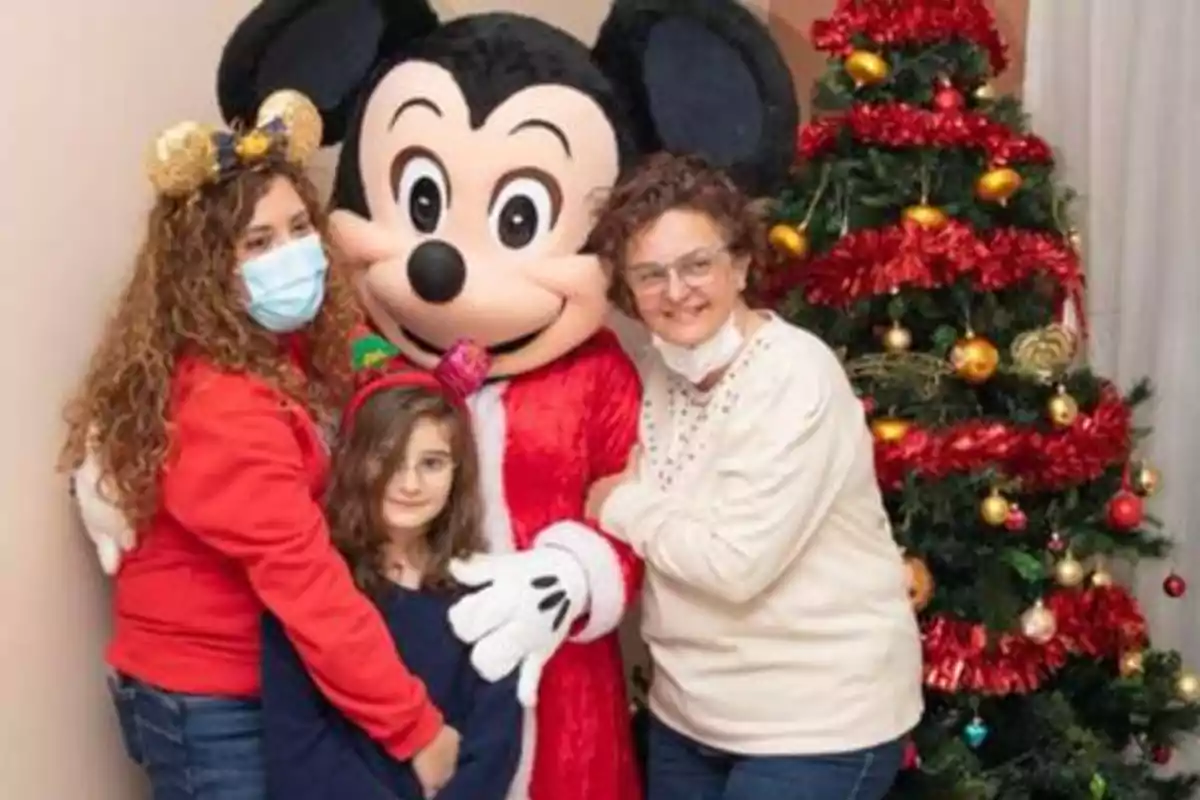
point(786, 655)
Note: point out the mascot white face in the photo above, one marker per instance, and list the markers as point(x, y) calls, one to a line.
point(475, 152)
point(460, 244)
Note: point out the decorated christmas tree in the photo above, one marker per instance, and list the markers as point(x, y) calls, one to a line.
point(926, 237)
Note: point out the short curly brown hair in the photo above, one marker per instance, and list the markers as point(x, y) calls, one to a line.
point(184, 297)
point(666, 182)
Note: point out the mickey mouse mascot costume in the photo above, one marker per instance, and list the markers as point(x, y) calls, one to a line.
point(473, 152)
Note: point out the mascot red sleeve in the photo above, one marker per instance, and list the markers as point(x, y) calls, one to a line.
point(473, 153)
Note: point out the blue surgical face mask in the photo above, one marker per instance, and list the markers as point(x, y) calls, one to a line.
point(287, 285)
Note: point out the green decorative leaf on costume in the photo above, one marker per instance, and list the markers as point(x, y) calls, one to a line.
point(372, 350)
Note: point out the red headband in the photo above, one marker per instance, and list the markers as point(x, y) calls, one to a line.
point(459, 373)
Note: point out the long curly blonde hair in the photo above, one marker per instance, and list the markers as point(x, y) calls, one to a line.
point(184, 298)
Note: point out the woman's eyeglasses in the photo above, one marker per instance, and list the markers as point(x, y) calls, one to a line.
point(693, 270)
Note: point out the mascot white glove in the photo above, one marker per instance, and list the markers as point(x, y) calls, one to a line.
point(102, 520)
point(521, 611)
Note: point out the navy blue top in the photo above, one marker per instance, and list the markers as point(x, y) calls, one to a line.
point(315, 753)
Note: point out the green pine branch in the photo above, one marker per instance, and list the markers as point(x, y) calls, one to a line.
point(1088, 733)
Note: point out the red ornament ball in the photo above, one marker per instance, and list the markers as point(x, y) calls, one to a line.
point(1174, 586)
point(1057, 543)
point(947, 98)
point(1016, 519)
point(1125, 511)
point(912, 758)
point(1161, 754)
point(868, 404)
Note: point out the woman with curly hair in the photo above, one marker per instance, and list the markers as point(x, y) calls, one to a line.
point(786, 656)
point(200, 423)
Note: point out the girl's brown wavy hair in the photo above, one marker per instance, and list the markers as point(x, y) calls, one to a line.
point(365, 458)
point(184, 297)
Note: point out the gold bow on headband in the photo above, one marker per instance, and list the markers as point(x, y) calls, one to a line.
point(188, 155)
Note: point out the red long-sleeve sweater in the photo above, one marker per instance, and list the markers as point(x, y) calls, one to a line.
point(241, 528)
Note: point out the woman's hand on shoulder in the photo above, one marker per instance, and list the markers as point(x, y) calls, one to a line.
point(437, 762)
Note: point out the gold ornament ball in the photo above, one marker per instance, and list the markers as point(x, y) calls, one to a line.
point(790, 240)
point(889, 429)
point(998, 185)
point(1102, 577)
point(1038, 623)
point(897, 339)
point(920, 582)
point(985, 92)
point(1146, 480)
point(1062, 409)
point(994, 509)
point(1043, 352)
point(1187, 686)
point(975, 359)
point(1075, 239)
point(1069, 572)
point(1132, 663)
point(925, 215)
point(866, 68)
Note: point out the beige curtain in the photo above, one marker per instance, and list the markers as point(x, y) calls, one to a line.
point(1115, 85)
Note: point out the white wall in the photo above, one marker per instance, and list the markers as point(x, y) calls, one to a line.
point(85, 85)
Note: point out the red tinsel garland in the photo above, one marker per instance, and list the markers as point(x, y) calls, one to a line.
point(904, 125)
point(961, 656)
point(902, 22)
point(1099, 622)
point(875, 261)
point(1043, 459)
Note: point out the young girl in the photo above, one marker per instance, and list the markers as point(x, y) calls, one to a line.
point(198, 425)
point(402, 503)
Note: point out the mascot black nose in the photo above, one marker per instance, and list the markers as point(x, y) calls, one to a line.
point(437, 272)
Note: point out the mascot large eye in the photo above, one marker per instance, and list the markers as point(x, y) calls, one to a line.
point(422, 190)
point(524, 209)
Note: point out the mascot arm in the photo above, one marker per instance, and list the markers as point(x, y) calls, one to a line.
point(102, 520)
point(612, 569)
point(576, 581)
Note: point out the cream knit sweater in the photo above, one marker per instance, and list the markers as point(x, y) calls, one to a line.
point(775, 610)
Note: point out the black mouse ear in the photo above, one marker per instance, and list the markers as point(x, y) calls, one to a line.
point(704, 77)
point(325, 49)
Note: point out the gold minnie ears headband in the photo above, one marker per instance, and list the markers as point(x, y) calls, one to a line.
point(189, 155)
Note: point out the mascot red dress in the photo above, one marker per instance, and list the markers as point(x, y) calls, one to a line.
point(473, 153)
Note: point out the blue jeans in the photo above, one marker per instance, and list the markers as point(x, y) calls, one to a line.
point(193, 747)
point(682, 769)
